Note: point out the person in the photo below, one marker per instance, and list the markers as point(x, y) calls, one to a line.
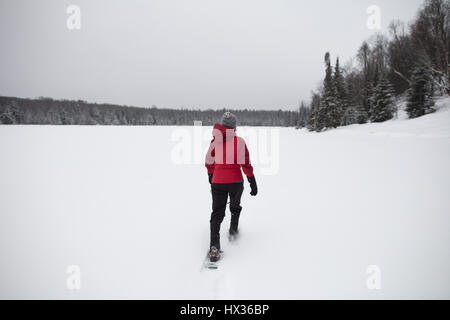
point(226, 156)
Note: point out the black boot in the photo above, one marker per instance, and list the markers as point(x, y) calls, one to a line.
point(214, 254)
point(233, 234)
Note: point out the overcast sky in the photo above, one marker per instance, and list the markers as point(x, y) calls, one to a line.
point(263, 54)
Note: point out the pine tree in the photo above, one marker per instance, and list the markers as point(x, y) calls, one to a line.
point(371, 92)
point(420, 94)
point(350, 115)
point(302, 119)
point(312, 117)
point(382, 102)
point(365, 106)
point(327, 114)
point(340, 93)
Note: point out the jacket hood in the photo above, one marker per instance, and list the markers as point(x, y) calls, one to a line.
point(227, 133)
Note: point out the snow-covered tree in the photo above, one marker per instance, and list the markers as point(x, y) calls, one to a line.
point(328, 114)
point(313, 112)
point(363, 108)
point(382, 102)
point(421, 92)
point(350, 115)
point(340, 92)
point(303, 113)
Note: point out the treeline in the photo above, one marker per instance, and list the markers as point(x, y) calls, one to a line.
point(47, 111)
point(412, 62)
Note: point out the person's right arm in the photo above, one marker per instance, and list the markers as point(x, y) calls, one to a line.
point(210, 161)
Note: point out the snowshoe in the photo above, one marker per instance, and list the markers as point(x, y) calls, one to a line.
point(214, 254)
point(212, 258)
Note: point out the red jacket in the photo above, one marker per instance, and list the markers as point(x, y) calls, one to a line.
point(226, 155)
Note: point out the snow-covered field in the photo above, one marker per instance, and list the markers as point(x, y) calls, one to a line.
point(113, 201)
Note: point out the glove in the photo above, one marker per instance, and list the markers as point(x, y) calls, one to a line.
point(253, 186)
point(210, 176)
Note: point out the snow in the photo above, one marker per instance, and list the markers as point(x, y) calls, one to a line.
point(112, 201)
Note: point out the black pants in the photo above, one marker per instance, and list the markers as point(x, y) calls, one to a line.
point(220, 194)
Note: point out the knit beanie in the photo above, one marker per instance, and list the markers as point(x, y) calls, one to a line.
point(229, 120)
